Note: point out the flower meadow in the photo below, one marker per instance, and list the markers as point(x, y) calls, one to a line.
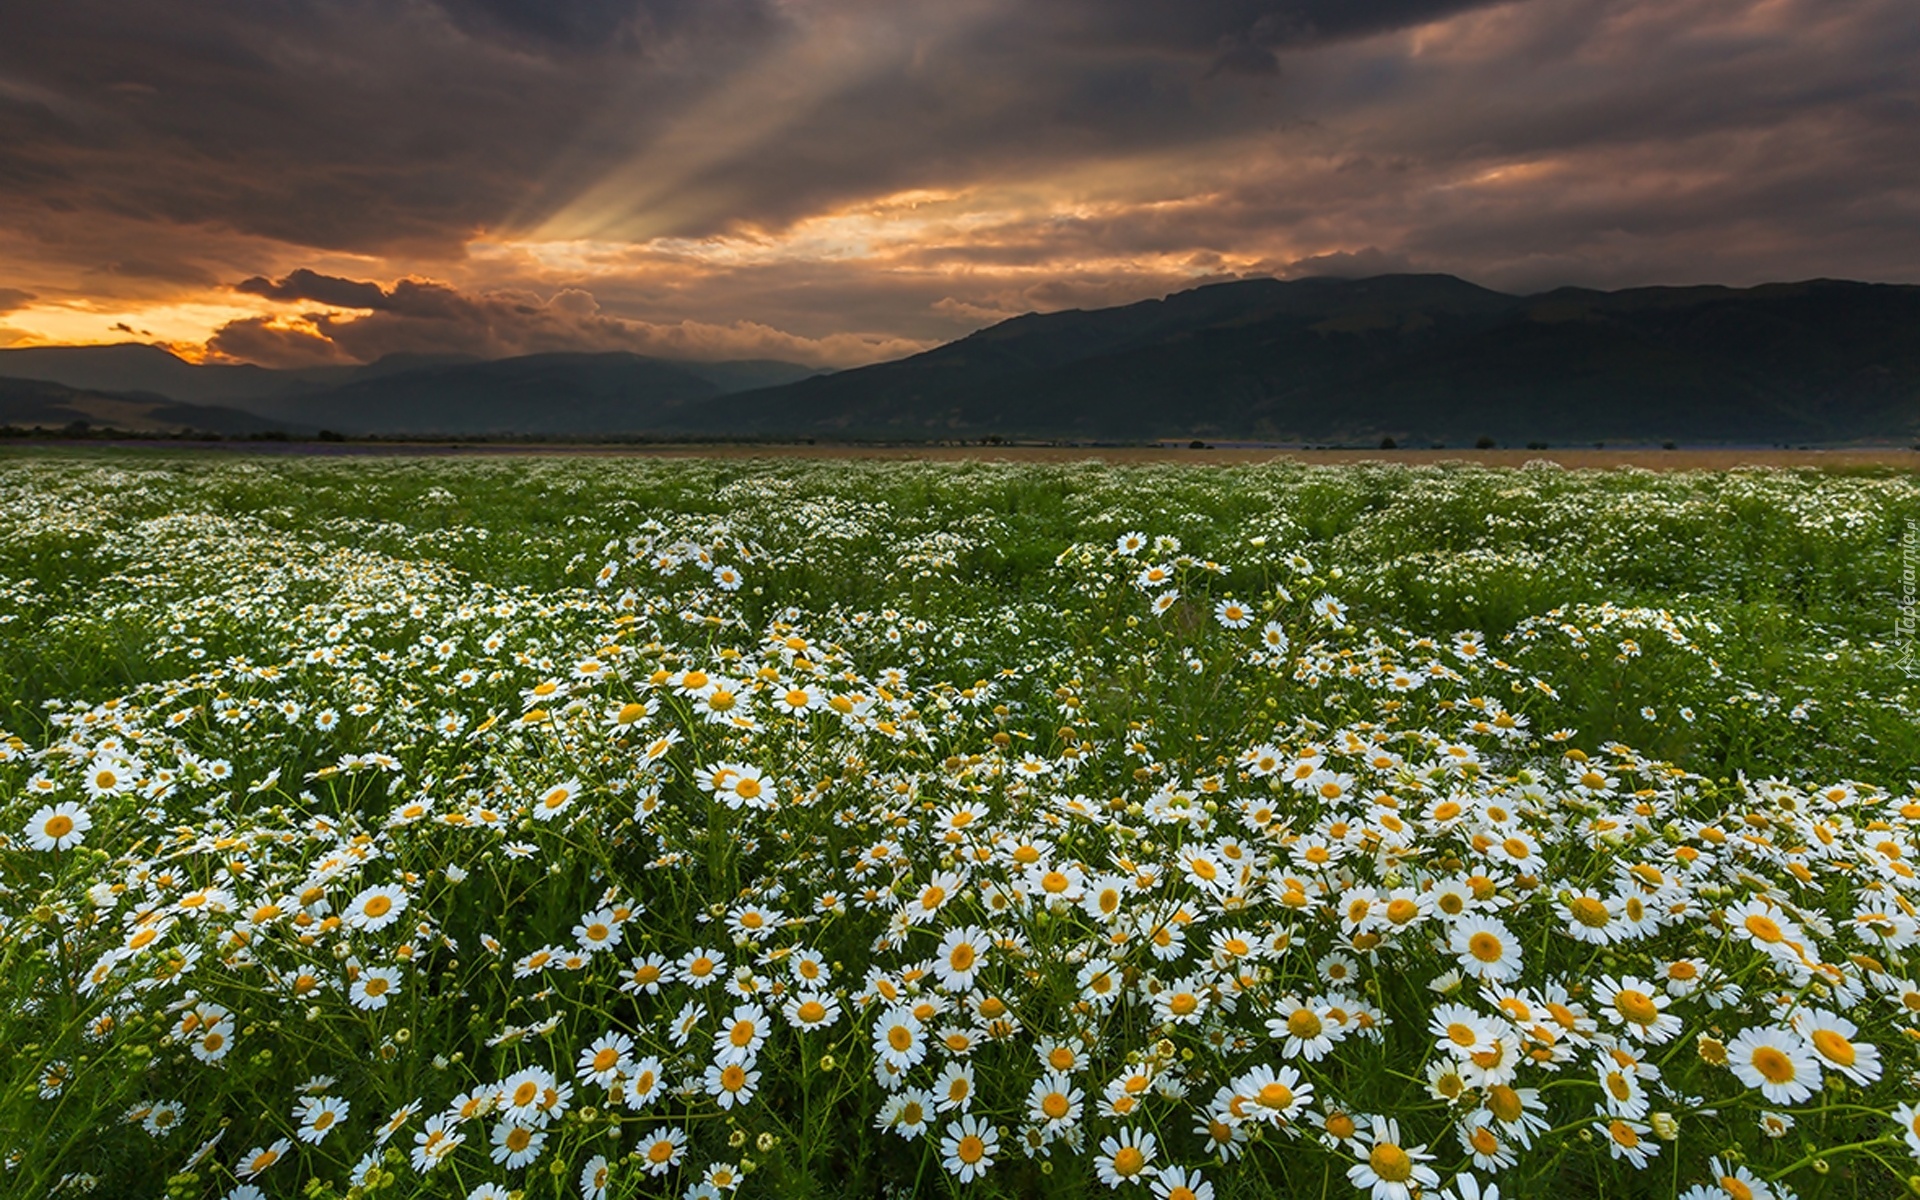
point(613, 828)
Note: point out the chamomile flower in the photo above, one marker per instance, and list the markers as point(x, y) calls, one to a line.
point(376, 907)
point(604, 1061)
point(1836, 1042)
point(1777, 1062)
point(58, 826)
point(953, 1090)
point(1275, 1095)
point(374, 987)
point(1388, 1169)
point(741, 1034)
point(967, 1148)
point(899, 1038)
point(259, 1159)
point(555, 800)
point(1054, 1104)
point(961, 955)
point(319, 1116)
point(1629, 1140)
point(1181, 1183)
point(661, 1149)
point(1125, 1157)
point(1637, 1007)
point(1485, 948)
point(643, 1083)
point(731, 1084)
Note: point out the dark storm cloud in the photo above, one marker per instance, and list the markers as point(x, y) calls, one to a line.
point(751, 153)
point(593, 26)
point(432, 317)
point(1240, 35)
point(356, 126)
point(303, 284)
point(405, 127)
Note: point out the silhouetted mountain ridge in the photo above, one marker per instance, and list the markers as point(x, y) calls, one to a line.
point(1414, 357)
point(36, 403)
point(545, 394)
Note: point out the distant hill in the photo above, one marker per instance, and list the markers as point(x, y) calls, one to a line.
point(1418, 358)
point(1414, 357)
point(537, 394)
point(34, 403)
point(132, 367)
point(416, 394)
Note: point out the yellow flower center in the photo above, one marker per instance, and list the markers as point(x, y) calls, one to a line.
point(1390, 1163)
point(1774, 1066)
point(1636, 1006)
point(1590, 912)
point(970, 1150)
point(1833, 1047)
point(1504, 1102)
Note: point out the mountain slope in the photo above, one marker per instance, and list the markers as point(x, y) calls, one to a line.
point(135, 367)
point(537, 394)
point(132, 367)
point(1414, 357)
point(35, 403)
point(1410, 356)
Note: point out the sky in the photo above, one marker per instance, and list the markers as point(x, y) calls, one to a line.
point(836, 182)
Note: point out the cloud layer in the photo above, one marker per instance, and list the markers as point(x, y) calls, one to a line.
point(838, 180)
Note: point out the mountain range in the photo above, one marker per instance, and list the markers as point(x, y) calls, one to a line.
point(1417, 358)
